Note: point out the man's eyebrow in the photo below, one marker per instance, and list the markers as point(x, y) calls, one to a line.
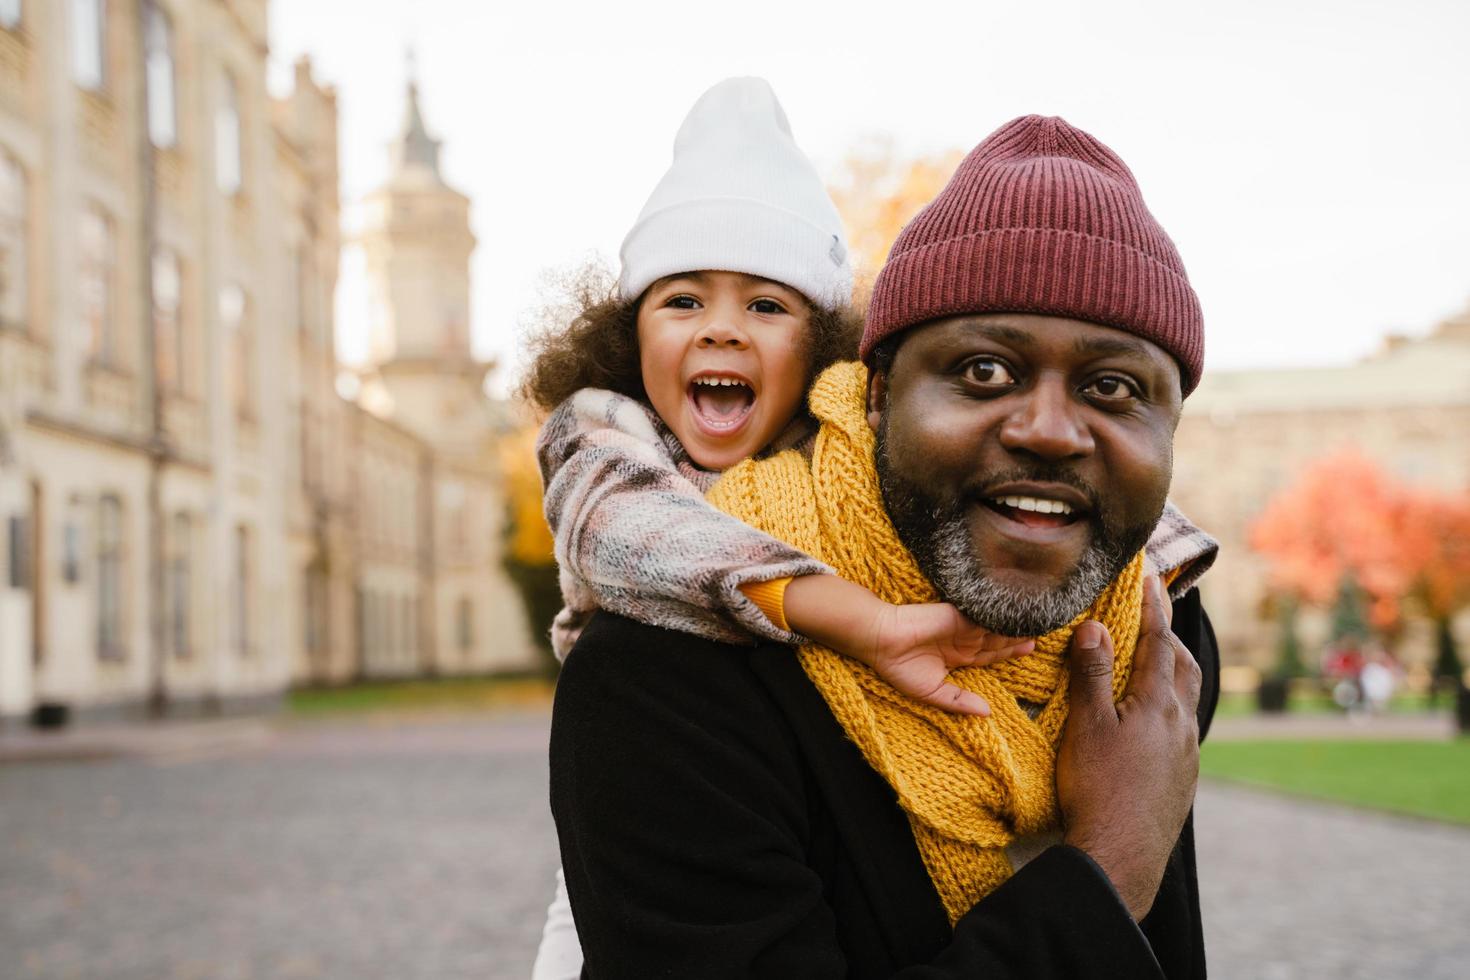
point(1011, 335)
point(1125, 346)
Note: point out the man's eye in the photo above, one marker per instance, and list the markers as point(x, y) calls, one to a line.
point(988, 371)
point(1113, 388)
point(767, 307)
point(683, 301)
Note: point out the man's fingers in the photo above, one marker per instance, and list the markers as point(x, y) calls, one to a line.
point(1091, 654)
point(1188, 679)
point(957, 700)
point(1153, 658)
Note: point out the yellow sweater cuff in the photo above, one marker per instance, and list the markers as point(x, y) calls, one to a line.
point(770, 598)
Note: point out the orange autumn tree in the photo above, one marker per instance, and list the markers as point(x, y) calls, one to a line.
point(528, 539)
point(528, 546)
point(877, 193)
point(1435, 528)
point(1345, 520)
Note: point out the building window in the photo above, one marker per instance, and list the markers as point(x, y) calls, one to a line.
point(71, 553)
point(243, 591)
point(88, 42)
point(162, 114)
point(98, 263)
point(180, 585)
point(227, 168)
point(316, 610)
point(10, 13)
point(109, 578)
point(466, 623)
point(168, 337)
point(19, 538)
point(371, 627)
point(12, 240)
point(241, 346)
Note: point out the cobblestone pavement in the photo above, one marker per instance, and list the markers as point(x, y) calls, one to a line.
point(357, 850)
point(424, 849)
point(1296, 890)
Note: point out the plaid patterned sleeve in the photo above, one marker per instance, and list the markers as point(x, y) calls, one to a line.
point(1178, 544)
point(634, 535)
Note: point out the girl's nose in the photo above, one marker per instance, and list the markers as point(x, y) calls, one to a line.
point(723, 329)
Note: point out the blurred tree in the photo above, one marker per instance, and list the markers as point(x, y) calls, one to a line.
point(529, 539)
point(1440, 530)
point(529, 559)
point(1349, 624)
point(877, 193)
point(1340, 518)
point(1289, 661)
point(1346, 535)
point(1449, 670)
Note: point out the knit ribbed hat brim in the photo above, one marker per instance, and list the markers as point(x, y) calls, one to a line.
point(1041, 217)
point(1043, 270)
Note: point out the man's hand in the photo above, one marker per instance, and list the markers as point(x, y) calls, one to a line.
point(1126, 773)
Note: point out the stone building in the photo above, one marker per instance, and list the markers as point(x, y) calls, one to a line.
point(424, 379)
point(1246, 434)
point(190, 515)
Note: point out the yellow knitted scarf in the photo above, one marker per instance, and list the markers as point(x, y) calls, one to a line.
point(969, 785)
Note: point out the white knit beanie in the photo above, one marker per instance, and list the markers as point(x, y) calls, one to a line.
point(740, 197)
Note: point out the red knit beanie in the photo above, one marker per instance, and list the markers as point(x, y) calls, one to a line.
point(1041, 218)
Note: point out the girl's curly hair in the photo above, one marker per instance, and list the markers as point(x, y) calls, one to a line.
point(591, 341)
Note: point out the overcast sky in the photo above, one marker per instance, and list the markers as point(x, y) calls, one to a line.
point(1311, 160)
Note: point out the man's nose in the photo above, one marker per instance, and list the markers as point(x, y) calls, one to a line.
point(1047, 423)
point(722, 328)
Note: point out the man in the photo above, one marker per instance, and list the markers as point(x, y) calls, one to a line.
point(724, 812)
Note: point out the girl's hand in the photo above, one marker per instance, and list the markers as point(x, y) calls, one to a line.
point(915, 647)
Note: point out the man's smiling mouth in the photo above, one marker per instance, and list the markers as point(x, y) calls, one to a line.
point(721, 401)
point(1035, 507)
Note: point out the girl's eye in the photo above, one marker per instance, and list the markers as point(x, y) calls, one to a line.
point(682, 301)
point(1113, 388)
point(768, 307)
point(988, 371)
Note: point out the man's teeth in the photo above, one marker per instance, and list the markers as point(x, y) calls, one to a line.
point(1039, 504)
point(718, 382)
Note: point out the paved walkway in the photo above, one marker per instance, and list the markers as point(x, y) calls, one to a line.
point(1437, 726)
point(374, 849)
point(1294, 890)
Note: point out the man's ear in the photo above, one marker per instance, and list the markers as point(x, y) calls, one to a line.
point(877, 397)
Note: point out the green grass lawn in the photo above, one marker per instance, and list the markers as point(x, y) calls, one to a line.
point(1426, 779)
point(449, 694)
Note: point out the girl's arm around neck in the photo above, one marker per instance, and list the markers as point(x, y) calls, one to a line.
point(634, 535)
point(912, 647)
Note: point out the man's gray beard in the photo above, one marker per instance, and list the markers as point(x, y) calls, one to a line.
point(936, 533)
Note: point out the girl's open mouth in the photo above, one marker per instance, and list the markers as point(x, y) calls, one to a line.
point(721, 402)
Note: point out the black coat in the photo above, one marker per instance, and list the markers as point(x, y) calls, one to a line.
point(716, 822)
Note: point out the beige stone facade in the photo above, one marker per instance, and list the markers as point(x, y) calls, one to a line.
point(1246, 434)
point(190, 515)
point(424, 380)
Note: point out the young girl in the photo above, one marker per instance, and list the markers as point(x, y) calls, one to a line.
point(733, 296)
